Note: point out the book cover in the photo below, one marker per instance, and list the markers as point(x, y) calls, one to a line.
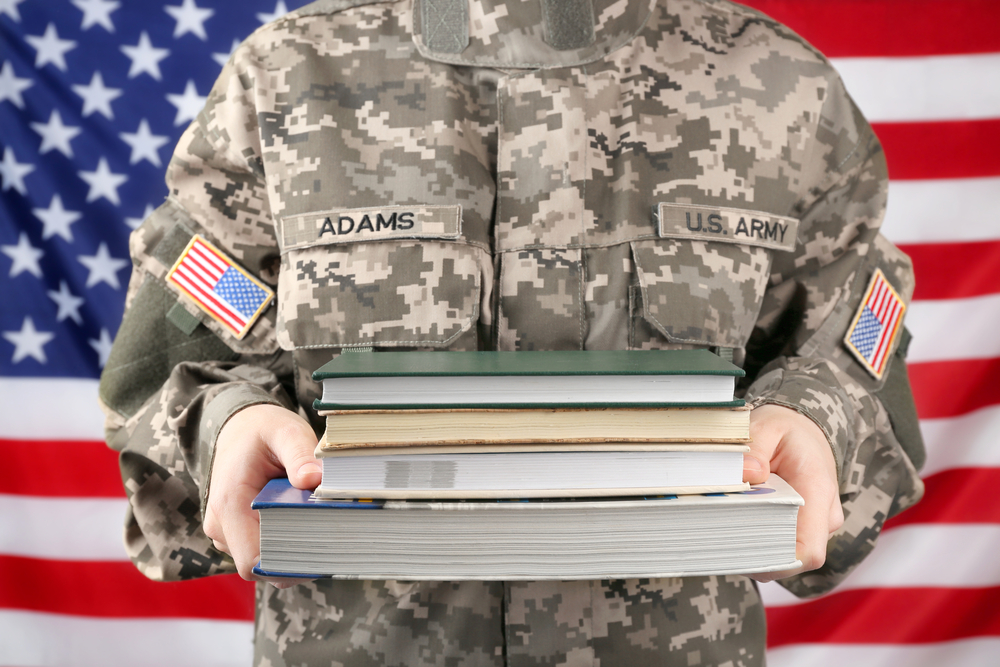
point(413, 380)
point(566, 362)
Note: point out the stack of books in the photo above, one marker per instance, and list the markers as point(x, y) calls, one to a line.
point(529, 465)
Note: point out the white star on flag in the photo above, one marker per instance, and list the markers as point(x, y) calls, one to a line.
point(190, 18)
point(102, 346)
point(145, 145)
point(134, 223)
point(97, 97)
point(188, 104)
point(222, 58)
point(24, 256)
point(279, 10)
point(103, 182)
point(145, 58)
point(103, 267)
point(28, 342)
point(9, 7)
point(68, 304)
point(13, 172)
point(11, 86)
point(55, 135)
point(97, 12)
point(50, 49)
point(56, 219)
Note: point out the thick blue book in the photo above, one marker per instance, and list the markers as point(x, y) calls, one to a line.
point(527, 539)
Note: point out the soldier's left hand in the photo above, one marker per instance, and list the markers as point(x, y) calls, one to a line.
point(791, 445)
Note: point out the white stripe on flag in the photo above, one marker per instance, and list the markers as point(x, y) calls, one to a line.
point(197, 274)
point(63, 528)
point(962, 653)
point(943, 211)
point(924, 89)
point(919, 556)
point(952, 329)
point(205, 254)
point(31, 639)
point(969, 441)
point(887, 314)
point(50, 409)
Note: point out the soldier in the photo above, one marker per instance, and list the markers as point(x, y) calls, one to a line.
point(540, 174)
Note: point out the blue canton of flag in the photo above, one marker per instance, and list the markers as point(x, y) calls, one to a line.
point(94, 94)
point(871, 335)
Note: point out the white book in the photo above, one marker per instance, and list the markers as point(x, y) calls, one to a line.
point(532, 471)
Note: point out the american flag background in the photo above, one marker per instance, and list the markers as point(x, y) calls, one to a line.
point(95, 93)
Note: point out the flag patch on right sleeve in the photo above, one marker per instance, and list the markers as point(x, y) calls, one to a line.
point(875, 326)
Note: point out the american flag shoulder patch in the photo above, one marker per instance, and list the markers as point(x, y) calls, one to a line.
point(875, 326)
point(221, 288)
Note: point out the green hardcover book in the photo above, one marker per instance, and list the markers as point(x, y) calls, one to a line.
point(563, 379)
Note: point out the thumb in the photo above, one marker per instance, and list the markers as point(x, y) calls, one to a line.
point(293, 442)
point(756, 468)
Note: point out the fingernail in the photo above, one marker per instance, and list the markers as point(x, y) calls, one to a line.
point(750, 463)
point(310, 468)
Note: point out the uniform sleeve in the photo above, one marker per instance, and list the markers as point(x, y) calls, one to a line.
point(797, 356)
point(175, 375)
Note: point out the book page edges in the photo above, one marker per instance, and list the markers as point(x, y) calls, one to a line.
point(330, 451)
point(493, 494)
point(790, 565)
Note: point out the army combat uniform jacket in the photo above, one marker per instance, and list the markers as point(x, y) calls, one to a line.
point(528, 175)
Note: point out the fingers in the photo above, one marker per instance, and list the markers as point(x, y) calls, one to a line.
point(257, 444)
point(798, 451)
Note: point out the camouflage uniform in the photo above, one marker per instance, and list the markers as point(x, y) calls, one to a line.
point(564, 174)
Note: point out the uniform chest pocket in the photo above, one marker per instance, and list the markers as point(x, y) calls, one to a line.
point(702, 282)
point(390, 292)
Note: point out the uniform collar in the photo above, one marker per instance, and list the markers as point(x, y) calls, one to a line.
point(525, 34)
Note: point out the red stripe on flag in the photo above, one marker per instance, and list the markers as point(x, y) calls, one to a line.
point(948, 149)
point(890, 28)
point(205, 276)
point(211, 255)
point(210, 258)
point(889, 327)
point(888, 616)
point(954, 388)
point(955, 270)
point(60, 469)
point(961, 495)
point(118, 590)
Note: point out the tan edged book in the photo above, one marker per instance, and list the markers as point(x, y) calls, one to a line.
point(397, 428)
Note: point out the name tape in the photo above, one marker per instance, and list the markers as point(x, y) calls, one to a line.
point(729, 225)
point(371, 224)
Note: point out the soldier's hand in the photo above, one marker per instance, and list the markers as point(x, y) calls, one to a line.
point(257, 444)
point(794, 447)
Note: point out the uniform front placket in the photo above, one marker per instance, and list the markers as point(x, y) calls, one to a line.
point(541, 212)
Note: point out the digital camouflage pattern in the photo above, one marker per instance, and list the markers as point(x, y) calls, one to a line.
point(412, 186)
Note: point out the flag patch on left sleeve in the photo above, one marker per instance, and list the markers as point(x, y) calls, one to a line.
point(230, 295)
point(875, 325)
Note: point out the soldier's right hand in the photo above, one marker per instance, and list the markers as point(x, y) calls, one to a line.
point(257, 444)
